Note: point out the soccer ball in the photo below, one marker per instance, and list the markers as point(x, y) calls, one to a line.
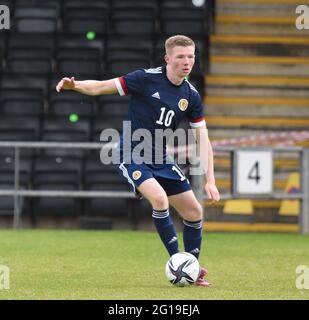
point(182, 269)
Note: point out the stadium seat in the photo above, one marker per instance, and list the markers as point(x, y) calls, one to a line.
point(64, 129)
point(31, 61)
point(7, 170)
point(81, 3)
point(105, 122)
point(104, 178)
point(121, 65)
point(78, 61)
point(61, 129)
point(128, 53)
point(70, 102)
point(21, 128)
point(71, 108)
point(133, 21)
point(30, 53)
point(75, 41)
point(57, 173)
point(178, 19)
point(3, 48)
point(7, 202)
point(113, 105)
point(82, 18)
point(36, 18)
point(25, 82)
point(117, 4)
point(21, 102)
point(7, 182)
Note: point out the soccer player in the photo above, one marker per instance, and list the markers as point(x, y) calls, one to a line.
point(160, 98)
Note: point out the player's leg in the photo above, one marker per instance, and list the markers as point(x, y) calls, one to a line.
point(155, 194)
point(191, 211)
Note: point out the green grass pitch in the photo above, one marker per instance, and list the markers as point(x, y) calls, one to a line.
point(46, 264)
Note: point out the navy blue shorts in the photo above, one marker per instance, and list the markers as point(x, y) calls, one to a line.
point(169, 176)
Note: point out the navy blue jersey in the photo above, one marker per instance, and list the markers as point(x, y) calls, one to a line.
point(156, 103)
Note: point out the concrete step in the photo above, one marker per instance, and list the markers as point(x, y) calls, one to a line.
point(254, 122)
point(259, 111)
point(255, 8)
point(259, 45)
point(260, 106)
point(253, 81)
point(262, 65)
point(241, 134)
point(217, 39)
point(260, 50)
point(256, 25)
point(253, 92)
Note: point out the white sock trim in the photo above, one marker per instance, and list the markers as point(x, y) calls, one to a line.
point(160, 214)
point(195, 225)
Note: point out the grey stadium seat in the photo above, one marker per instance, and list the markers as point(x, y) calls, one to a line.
point(57, 173)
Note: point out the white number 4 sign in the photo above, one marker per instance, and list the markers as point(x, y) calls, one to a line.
point(253, 172)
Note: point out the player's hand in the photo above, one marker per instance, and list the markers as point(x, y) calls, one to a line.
point(65, 84)
point(212, 192)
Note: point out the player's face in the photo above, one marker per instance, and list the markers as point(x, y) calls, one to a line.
point(181, 60)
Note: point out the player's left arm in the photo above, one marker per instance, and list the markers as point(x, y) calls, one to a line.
point(206, 153)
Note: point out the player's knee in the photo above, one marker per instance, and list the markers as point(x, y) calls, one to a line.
point(195, 213)
point(160, 201)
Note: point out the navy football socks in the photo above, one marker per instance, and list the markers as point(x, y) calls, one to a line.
point(166, 230)
point(192, 236)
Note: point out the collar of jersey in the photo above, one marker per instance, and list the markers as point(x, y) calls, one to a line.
point(174, 85)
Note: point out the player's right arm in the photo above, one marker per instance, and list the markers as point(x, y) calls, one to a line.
point(88, 87)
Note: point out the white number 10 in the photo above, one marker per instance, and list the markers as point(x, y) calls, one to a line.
point(168, 118)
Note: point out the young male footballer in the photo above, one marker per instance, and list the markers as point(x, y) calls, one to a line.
point(160, 98)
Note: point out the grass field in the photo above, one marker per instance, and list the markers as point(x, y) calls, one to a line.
point(130, 265)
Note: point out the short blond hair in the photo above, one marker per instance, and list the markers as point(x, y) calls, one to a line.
point(178, 40)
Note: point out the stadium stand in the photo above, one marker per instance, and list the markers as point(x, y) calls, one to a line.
point(251, 64)
point(257, 83)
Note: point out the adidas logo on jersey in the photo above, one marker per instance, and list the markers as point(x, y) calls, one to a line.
point(156, 95)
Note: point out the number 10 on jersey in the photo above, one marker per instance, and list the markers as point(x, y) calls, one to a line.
point(253, 172)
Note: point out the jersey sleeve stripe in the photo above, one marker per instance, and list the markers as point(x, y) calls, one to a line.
point(118, 86)
point(121, 86)
point(196, 123)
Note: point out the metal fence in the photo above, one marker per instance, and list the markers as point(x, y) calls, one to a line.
point(197, 181)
